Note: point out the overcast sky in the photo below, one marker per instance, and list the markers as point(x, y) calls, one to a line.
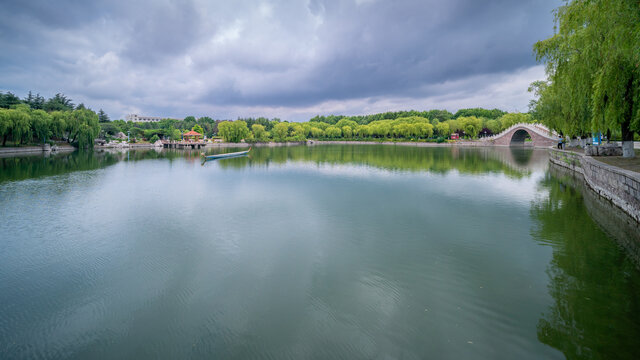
point(288, 59)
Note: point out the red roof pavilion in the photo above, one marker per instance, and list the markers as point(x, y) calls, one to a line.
point(192, 134)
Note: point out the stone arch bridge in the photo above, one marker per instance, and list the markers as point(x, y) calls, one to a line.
point(540, 136)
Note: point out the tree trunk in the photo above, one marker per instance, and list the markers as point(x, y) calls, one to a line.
point(627, 140)
point(4, 140)
point(627, 133)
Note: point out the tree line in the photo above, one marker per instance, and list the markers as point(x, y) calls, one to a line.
point(172, 129)
point(389, 126)
point(34, 120)
point(593, 72)
point(431, 125)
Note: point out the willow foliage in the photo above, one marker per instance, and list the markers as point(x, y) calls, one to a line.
point(593, 65)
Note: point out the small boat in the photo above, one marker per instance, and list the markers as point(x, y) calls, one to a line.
point(224, 156)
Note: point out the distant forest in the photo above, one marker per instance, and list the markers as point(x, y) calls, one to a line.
point(35, 119)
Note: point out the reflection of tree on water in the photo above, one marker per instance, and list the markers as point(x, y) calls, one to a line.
point(27, 167)
point(34, 166)
point(393, 158)
point(596, 287)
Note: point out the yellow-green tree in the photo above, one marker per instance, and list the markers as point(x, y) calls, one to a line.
point(41, 124)
point(333, 132)
point(259, 133)
point(233, 131)
point(471, 125)
point(20, 124)
point(280, 131)
point(442, 129)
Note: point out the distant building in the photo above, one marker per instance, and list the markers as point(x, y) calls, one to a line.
point(141, 118)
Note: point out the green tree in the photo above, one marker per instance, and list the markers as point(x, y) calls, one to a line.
point(58, 103)
point(592, 64)
point(510, 119)
point(8, 100)
point(102, 116)
point(35, 102)
point(479, 112)
point(197, 128)
point(108, 128)
point(83, 127)
point(176, 135)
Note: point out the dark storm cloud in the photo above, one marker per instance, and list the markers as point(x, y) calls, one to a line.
point(383, 48)
point(162, 31)
point(167, 55)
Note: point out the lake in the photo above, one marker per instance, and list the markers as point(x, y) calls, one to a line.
point(318, 252)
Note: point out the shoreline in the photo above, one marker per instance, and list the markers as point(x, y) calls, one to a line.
point(609, 217)
point(619, 186)
point(34, 150)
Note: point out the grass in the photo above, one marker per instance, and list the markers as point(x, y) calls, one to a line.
point(632, 164)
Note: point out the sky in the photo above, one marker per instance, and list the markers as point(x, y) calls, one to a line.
point(287, 59)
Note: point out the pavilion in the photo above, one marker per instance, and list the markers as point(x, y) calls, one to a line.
point(192, 135)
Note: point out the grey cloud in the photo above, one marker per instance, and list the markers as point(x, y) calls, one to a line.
point(263, 54)
point(163, 30)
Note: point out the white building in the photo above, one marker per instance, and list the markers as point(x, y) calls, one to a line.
point(142, 118)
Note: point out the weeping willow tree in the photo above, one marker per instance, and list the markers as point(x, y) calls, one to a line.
point(593, 68)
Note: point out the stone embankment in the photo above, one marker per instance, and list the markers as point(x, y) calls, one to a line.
point(467, 143)
point(23, 150)
point(621, 187)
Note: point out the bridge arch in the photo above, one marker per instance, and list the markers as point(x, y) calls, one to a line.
point(518, 133)
point(519, 136)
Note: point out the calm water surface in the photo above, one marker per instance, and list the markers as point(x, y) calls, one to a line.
point(321, 252)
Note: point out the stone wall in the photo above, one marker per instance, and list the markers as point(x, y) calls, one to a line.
point(603, 150)
point(621, 187)
point(23, 150)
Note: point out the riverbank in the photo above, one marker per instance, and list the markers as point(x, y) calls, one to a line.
point(470, 143)
point(621, 187)
point(459, 143)
point(26, 150)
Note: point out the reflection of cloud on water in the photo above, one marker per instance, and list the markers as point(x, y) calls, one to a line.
point(477, 188)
